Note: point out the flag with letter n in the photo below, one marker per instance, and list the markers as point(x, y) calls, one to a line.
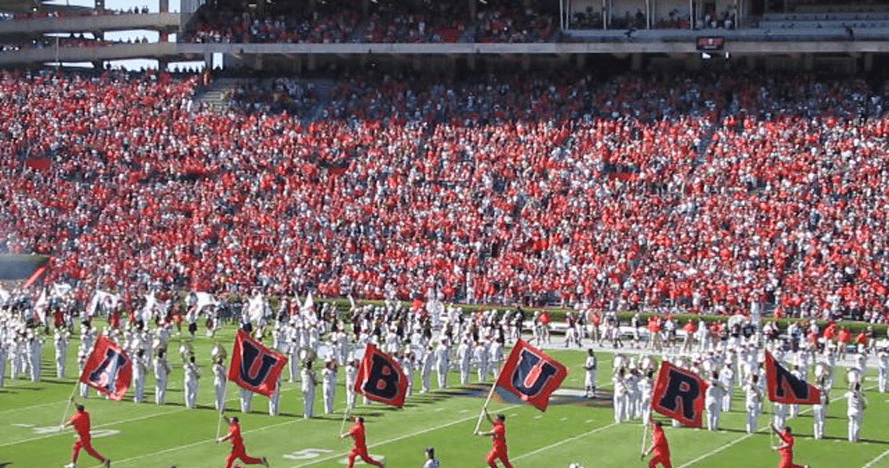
point(785, 387)
point(679, 393)
point(531, 375)
point(381, 378)
point(255, 367)
point(108, 369)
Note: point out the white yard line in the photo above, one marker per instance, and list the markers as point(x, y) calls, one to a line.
point(180, 447)
point(431, 429)
point(23, 408)
point(736, 441)
point(875, 460)
point(115, 423)
point(565, 441)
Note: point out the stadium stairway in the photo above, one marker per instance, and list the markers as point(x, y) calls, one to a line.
point(323, 89)
point(214, 97)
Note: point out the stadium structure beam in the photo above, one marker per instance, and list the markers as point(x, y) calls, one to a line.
point(173, 50)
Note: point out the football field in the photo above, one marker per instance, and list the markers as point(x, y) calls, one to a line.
point(572, 430)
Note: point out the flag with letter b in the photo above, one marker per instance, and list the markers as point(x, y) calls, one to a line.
point(380, 378)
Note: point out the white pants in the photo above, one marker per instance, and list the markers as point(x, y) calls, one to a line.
point(308, 403)
point(220, 395)
point(465, 369)
point(590, 382)
point(160, 391)
point(443, 376)
point(427, 380)
point(2, 369)
point(350, 397)
point(635, 405)
point(191, 394)
point(713, 412)
point(794, 411)
point(35, 368)
point(752, 415)
point(294, 368)
point(273, 402)
point(139, 389)
point(482, 371)
point(329, 393)
point(60, 365)
point(246, 400)
point(84, 390)
point(727, 399)
point(818, 419)
point(882, 378)
point(780, 419)
point(854, 427)
point(620, 408)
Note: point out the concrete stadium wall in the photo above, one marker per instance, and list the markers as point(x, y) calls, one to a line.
point(168, 22)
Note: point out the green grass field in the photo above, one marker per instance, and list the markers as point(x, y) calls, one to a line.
point(571, 431)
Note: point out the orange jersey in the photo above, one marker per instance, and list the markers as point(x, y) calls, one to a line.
point(81, 423)
point(234, 432)
point(499, 437)
point(659, 442)
point(357, 432)
point(787, 451)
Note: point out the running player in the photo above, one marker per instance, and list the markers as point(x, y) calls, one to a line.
point(357, 432)
point(238, 450)
point(498, 437)
point(785, 448)
point(659, 446)
point(81, 423)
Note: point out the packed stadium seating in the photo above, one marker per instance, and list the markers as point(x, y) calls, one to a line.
point(386, 22)
point(640, 190)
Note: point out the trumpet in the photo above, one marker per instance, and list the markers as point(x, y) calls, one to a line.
point(307, 354)
point(218, 353)
point(186, 351)
point(853, 377)
point(822, 370)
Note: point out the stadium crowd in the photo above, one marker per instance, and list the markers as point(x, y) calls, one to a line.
point(712, 194)
point(384, 22)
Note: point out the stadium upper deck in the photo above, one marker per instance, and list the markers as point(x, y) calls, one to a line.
point(494, 27)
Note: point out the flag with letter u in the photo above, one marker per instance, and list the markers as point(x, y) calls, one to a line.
point(785, 387)
point(380, 378)
point(531, 375)
point(255, 367)
point(679, 393)
point(108, 369)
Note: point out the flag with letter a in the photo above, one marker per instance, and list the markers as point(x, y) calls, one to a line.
point(381, 378)
point(679, 393)
point(785, 387)
point(531, 375)
point(108, 369)
point(255, 367)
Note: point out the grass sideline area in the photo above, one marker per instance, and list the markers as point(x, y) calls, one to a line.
point(572, 430)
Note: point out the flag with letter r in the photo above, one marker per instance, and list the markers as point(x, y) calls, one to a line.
point(381, 378)
point(108, 369)
point(255, 367)
point(679, 394)
point(785, 387)
point(531, 375)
